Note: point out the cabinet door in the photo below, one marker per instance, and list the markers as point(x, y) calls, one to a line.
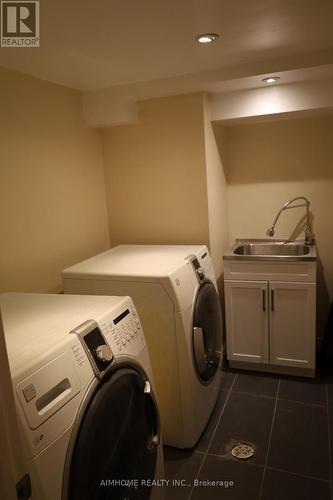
point(292, 324)
point(247, 320)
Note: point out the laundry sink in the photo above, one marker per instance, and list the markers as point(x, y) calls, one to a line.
point(271, 250)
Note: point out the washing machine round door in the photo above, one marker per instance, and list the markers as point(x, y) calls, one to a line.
point(115, 449)
point(207, 331)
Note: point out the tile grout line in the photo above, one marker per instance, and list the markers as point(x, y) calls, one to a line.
point(303, 402)
point(280, 399)
point(254, 394)
point(217, 423)
point(269, 442)
point(251, 464)
point(211, 439)
point(299, 475)
point(329, 443)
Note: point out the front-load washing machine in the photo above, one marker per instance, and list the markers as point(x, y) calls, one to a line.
point(84, 391)
point(174, 290)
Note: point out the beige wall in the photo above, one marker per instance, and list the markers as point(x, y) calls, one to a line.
point(217, 197)
point(52, 193)
point(155, 174)
point(164, 179)
point(270, 163)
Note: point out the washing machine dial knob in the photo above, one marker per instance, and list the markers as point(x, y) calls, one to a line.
point(104, 353)
point(201, 273)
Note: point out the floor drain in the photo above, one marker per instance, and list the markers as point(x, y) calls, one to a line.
point(243, 451)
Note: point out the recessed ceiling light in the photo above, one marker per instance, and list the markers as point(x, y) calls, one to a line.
point(207, 37)
point(271, 79)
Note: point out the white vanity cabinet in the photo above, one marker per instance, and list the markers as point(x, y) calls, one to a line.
point(270, 315)
point(247, 321)
point(292, 318)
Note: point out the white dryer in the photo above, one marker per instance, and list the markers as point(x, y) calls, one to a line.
point(174, 290)
point(84, 390)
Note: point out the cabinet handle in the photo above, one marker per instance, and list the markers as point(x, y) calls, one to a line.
point(272, 300)
point(264, 300)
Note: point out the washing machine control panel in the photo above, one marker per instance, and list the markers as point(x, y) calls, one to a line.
point(206, 263)
point(124, 332)
point(96, 346)
point(198, 269)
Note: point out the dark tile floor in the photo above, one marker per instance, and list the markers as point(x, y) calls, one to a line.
point(288, 421)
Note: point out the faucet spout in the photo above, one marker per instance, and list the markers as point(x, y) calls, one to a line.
point(309, 236)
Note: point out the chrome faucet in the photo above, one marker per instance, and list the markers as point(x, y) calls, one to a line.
point(309, 236)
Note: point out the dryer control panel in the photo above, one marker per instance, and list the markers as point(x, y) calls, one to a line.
point(124, 332)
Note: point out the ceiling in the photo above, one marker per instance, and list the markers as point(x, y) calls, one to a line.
point(89, 45)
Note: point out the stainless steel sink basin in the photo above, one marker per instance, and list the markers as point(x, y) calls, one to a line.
point(271, 250)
